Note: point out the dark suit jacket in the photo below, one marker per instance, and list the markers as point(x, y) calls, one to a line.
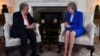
point(18, 22)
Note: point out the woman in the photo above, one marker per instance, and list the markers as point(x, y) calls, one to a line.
point(74, 27)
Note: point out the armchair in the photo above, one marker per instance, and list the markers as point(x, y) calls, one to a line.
point(86, 40)
point(12, 42)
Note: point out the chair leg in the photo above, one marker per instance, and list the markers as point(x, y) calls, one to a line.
point(7, 52)
point(99, 37)
point(59, 46)
point(40, 47)
point(92, 50)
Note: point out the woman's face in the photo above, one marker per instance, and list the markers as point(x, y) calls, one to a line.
point(70, 10)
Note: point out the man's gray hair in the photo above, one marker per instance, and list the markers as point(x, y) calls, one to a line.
point(22, 5)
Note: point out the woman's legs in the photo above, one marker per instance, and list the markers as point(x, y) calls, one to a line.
point(66, 40)
point(72, 35)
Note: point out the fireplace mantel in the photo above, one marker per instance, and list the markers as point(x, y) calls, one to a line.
point(52, 3)
point(41, 3)
point(46, 4)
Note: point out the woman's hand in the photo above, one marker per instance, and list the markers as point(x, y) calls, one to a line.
point(67, 25)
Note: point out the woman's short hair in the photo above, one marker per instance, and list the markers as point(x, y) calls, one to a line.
point(73, 6)
point(22, 5)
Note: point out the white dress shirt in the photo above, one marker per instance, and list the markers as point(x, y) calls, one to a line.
point(71, 19)
point(25, 21)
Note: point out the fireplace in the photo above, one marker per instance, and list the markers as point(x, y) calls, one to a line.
point(49, 19)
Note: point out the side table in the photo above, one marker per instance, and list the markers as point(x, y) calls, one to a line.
point(2, 42)
point(2, 46)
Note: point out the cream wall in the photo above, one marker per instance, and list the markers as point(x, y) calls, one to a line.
point(83, 5)
point(17, 2)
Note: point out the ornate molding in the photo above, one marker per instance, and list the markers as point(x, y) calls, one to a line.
point(46, 0)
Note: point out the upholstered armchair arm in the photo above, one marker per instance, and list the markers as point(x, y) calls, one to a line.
point(38, 36)
point(61, 35)
point(90, 28)
point(6, 29)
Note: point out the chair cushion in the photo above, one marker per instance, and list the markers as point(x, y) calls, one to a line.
point(13, 42)
point(82, 40)
point(8, 18)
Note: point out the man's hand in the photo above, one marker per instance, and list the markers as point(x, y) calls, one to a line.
point(32, 26)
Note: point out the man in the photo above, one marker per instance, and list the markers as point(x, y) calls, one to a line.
point(23, 27)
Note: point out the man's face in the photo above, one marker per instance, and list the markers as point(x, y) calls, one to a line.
point(25, 10)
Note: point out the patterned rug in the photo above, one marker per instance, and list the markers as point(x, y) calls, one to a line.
point(53, 52)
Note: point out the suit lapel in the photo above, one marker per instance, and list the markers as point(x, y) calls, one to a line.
point(21, 17)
